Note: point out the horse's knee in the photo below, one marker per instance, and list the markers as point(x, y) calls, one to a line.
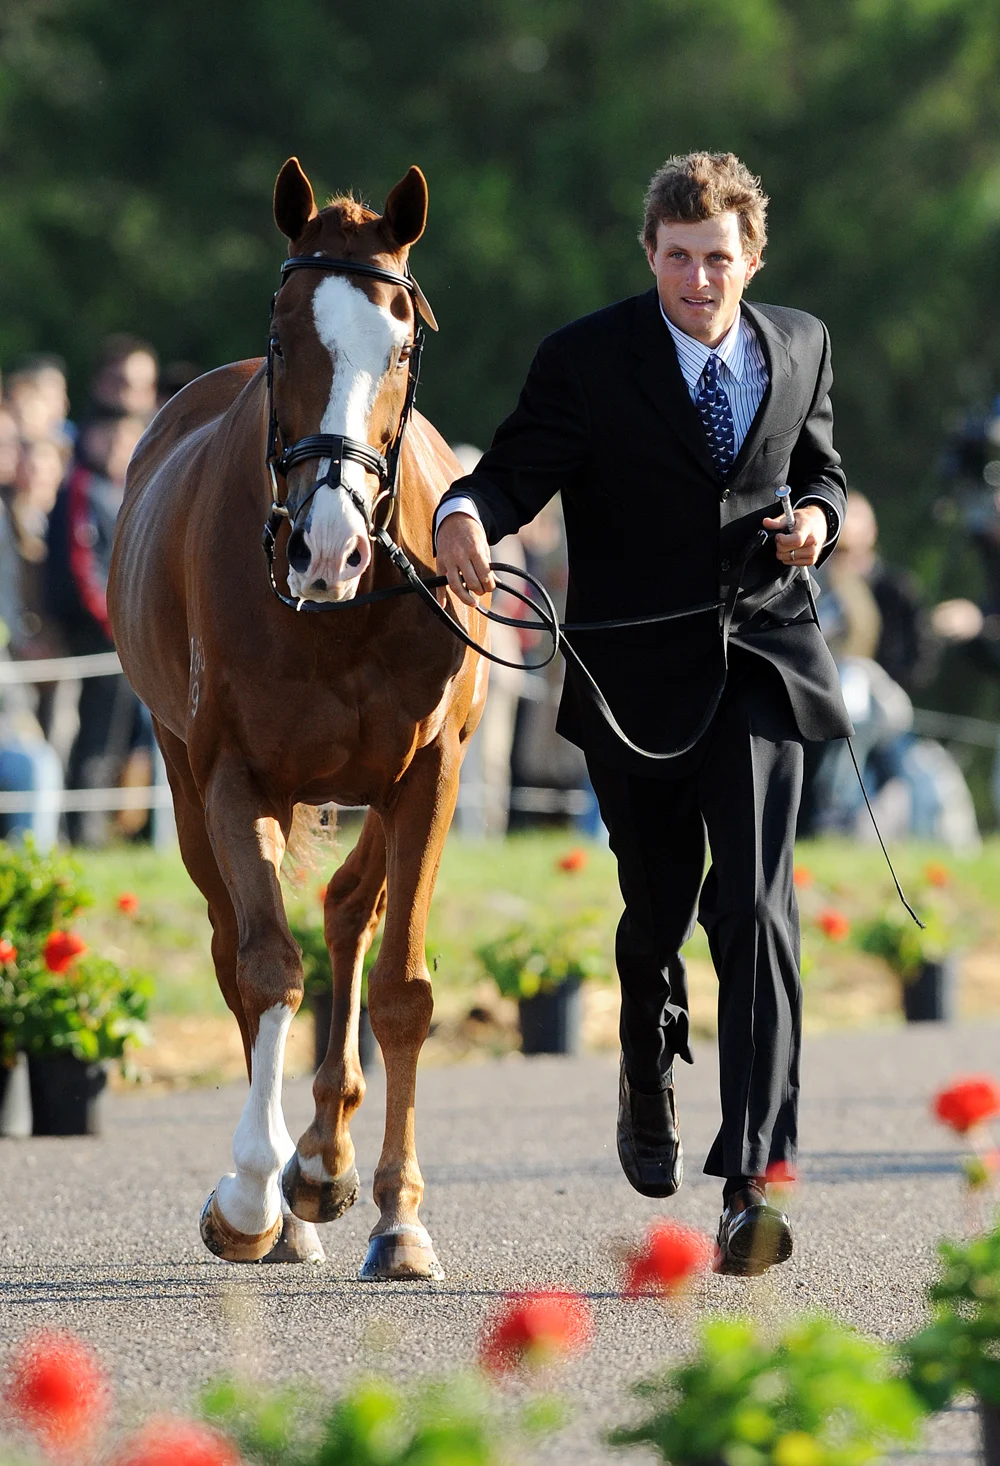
point(400, 1010)
point(269, 972)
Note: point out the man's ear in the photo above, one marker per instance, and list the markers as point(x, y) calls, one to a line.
point(294, 204)
point(405, 212)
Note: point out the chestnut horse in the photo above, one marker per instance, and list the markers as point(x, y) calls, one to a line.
point(258, 709)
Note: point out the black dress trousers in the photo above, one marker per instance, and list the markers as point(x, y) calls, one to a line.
point(740, 788)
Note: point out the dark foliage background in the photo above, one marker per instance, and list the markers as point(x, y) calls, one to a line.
point(139, 145)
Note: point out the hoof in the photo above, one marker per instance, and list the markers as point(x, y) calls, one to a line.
point(222, 1239)
point(299, 1242)
point(407, 1253)
point(319, 1201)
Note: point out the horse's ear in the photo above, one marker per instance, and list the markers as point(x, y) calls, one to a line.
point(294, 204)
point(405, 212)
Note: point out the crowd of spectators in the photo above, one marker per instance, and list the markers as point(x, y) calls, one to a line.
point(61, 485)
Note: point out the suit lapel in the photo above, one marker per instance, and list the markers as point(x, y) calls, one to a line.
point(659, 376)
point(774, 344)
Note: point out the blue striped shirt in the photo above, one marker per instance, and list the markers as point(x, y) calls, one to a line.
point(742, 369)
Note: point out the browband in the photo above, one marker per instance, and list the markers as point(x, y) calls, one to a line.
point(359, 267)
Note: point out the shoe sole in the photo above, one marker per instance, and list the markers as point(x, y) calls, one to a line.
point(762, 1241)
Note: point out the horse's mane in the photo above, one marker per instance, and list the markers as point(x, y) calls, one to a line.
point(352, 213)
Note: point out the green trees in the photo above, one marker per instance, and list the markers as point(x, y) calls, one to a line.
point(139, 144)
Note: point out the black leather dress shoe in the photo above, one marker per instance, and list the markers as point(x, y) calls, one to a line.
point(649, 1142)
point(752, 1236)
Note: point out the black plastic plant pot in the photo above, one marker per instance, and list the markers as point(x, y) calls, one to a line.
point(931, 996)
point(550, 1021)
point(321, 1007)
point(66, 1095)
point(15, 1099)
point(989, 1419)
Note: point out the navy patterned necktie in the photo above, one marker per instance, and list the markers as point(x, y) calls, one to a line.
point(717, 417)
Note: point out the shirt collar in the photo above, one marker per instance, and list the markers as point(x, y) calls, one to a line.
point(692, 355)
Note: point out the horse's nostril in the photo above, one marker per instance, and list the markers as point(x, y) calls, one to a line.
point(318, 584)
point(354, 558)
point(298, 551)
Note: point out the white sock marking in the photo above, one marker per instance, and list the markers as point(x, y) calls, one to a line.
point(251, 1199)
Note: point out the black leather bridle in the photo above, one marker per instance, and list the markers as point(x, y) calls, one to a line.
point(281, 458)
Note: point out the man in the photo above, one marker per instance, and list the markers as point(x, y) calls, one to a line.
point(666, 422)
point(125, 377)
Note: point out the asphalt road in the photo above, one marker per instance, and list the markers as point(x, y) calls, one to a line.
point(523, 1189)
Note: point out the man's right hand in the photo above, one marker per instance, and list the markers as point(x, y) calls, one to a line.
point(463, 554)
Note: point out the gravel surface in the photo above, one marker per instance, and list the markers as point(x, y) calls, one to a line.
point(523, 1189)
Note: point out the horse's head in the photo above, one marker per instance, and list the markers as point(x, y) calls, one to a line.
point(341, 345)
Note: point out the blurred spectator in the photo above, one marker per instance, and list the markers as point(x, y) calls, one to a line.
point(125, 378)
point(41, 466)
point(915, 784)
point(484, 804)
point(113, 722)
point(35, 392)
point(174, 376)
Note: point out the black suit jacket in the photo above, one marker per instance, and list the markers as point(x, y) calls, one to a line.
point(606, 419)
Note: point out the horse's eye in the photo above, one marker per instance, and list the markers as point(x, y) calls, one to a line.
point(405, 352)
point(276, 347)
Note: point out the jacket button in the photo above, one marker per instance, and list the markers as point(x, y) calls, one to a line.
point(725, 494)
point(725, 565)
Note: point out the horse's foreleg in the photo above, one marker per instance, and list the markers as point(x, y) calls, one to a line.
point(400, 1004)
point(242, 1219)
point(321, 1179)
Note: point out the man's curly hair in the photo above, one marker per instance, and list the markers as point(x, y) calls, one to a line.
point(702, 186)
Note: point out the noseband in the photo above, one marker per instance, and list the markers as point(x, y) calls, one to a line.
point(281, 458)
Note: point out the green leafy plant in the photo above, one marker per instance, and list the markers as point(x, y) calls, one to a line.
point(820, 1395)
point(533, 958)
point(38, 893)
point(959, 1350)
point(895, 937)
point(452, 1422)
point(93, 1011)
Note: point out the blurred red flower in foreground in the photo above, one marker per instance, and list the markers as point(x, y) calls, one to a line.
point(802, 876)
point(8, 952)
point(666, 1260)
point(61, 949)
point(128, 903)
point(936, 874)
point(176, 1443)
point(835, 924)
point(572, 860)
point(56, 1388)
point(321, 895)
point(968, 1102)
point(534, 1328)
point(780, 1173)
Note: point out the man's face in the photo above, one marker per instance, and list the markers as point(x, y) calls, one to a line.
point(701, 273)
point(129, 383)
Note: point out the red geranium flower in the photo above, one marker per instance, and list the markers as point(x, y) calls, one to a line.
point(56, 1388)
point(666, 1260)
point(802, 876)
point(572, 860)
point(936, 874)
point(532, 1328)
point(128, 903)
point(8, 952)
point(169, 1442)
point(61, 949)
point(835, 924)
point(968, 1102)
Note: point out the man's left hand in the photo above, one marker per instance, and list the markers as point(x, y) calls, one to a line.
point(802, 545)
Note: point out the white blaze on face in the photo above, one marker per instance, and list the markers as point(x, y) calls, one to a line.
point(361, 338)
point(251, 1200)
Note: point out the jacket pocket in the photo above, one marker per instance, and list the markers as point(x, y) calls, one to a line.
point(783, 442)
